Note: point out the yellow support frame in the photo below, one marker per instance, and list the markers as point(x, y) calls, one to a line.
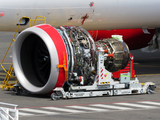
point(5, 82)
point(11, 69)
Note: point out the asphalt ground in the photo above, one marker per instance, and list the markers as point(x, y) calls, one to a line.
point(146, 66)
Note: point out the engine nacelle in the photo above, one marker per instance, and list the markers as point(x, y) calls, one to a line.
point(38, 50)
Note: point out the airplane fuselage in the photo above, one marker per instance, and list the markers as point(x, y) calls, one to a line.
point(96, 15)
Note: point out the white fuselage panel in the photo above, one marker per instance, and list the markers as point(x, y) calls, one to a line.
point(103, 15)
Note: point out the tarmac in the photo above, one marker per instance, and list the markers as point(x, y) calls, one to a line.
point(41, 107)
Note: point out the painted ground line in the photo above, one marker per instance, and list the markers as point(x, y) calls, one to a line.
point(146, 74)
point(151, 103)
point(25, 114)
point(62, 109)
point(87, 108)
point(111, 106)
point(135, 105)
point(38, 111)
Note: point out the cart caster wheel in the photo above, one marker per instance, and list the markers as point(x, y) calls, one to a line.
point(53, 96)
point(150, 89)
point(8, 88)
point(19, 92)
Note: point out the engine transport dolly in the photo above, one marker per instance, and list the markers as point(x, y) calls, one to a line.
point(104, 84)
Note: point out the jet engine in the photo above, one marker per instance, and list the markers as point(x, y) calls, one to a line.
point(45, 57)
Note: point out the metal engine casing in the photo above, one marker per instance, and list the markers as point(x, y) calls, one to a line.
point(38, 50)
point(120, 51)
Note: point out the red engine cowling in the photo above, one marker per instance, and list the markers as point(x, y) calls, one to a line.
point(134, 38)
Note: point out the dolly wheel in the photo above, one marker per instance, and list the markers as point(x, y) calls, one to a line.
point(53, 96)
point(150, 89)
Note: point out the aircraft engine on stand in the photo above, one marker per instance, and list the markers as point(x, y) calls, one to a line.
point(45, 57)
